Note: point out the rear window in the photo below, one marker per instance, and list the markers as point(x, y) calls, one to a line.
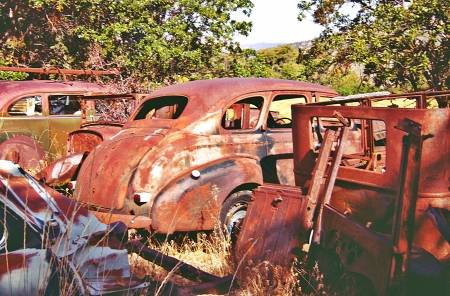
point(170, 107)
point(29, 106)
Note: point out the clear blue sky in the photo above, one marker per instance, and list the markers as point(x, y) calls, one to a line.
point(275, 21)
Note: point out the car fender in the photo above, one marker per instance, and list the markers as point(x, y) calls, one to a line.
point(193, 201)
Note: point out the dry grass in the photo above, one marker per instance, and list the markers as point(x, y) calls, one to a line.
point(210, 253)
point(213, 254)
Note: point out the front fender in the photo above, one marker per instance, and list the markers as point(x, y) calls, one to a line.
point(192, 204)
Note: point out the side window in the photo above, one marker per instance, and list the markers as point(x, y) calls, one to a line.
point(280, 111)
point(29, 106)
point(162, 108)
point(63, 104)
point(243, 114)
point(365, 146)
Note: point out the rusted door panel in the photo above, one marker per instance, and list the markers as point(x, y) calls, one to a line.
point(271, 229)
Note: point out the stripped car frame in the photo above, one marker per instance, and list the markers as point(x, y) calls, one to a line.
point(375, 204)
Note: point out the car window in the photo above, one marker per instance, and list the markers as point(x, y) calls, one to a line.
point(63, 104)
point(169, 107)
point(29, 106)
point(108, 109)
point(366, 141)
point(280, 111)
point(243, 114)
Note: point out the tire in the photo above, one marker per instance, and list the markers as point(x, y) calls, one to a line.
point(233, 212)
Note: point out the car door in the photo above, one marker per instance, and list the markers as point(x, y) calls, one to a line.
point(26, 116)
point(243, 119)
point(278, 131)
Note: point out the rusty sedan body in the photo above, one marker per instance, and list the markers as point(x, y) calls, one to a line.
point(44, 110)
point(193, 152)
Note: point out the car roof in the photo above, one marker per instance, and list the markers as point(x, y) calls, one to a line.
point(17, 88)
point(231, 87)
point(208, 93)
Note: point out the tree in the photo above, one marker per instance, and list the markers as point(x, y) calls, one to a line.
point(282, 62)
point(397, 43)
point(157, 39)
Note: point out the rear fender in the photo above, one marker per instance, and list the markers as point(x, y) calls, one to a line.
point(193, 203)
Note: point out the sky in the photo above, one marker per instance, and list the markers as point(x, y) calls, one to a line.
point(275, 21)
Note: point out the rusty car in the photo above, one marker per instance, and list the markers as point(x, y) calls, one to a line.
point(192, 152)
point(45, 110)
point(371, 197)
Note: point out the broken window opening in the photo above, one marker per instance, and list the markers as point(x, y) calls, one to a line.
point(243, 114)
point(366, 142)
point(162, 108)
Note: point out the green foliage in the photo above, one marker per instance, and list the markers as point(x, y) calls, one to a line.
point(281, 62)
point(397, 45)
point(350, 83)
point(8, 75)
point(157, 39)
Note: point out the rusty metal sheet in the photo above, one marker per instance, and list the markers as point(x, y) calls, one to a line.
point(369, 196)
point(73, 252)
point(75, 239)
point(272, 227)
point(26, 272)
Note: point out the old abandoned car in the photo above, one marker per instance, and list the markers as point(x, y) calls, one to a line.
point(193, 152)
point(44, 110)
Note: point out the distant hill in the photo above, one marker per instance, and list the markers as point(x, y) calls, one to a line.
point(302, 44)
point(263, 45)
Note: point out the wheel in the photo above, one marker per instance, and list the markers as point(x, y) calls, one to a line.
point(233, 212)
